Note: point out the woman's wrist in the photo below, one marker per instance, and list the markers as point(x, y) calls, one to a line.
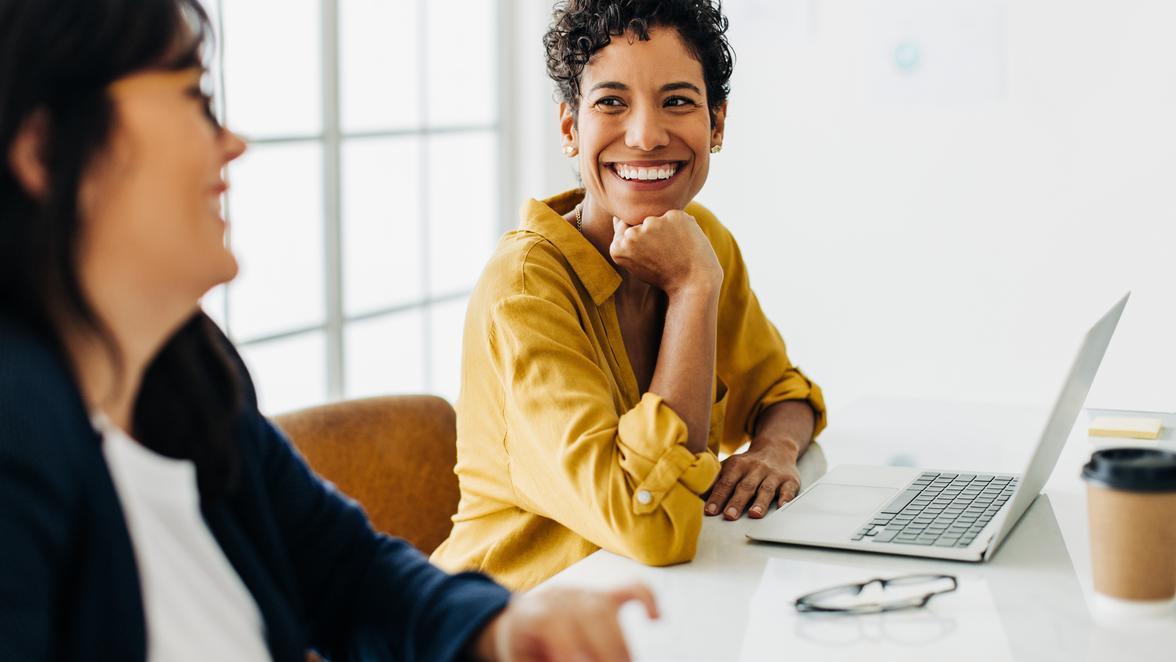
point(485, 645)
point(703, 286)
point(784, 445)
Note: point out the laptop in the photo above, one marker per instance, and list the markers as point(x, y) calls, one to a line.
point(958, 515)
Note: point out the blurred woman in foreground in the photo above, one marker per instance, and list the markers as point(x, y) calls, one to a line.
point(148, 511)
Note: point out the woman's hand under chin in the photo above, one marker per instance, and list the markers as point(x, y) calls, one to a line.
point(670, 252)
point(562, 624)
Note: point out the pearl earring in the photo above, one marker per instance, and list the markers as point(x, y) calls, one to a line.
point(715, 149)
point(569, 150)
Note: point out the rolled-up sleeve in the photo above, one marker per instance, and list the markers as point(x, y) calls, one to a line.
point(662, 467)
point(620, 477)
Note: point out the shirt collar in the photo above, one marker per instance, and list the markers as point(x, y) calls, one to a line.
point(545, 218)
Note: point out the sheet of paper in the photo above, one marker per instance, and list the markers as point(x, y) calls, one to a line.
point(962, 625)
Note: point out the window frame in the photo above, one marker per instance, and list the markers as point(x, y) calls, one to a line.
point(331, 139)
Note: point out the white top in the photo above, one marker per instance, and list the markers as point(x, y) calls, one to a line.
point(195, 604)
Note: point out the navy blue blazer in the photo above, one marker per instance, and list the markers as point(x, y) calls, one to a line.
point(321, 576)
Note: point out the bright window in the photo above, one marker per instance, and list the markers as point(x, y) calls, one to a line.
point(370, 196)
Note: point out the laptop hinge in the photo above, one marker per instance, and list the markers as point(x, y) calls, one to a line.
point(988, 548)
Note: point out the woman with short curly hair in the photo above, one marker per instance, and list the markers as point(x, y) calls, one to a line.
point(613, 345)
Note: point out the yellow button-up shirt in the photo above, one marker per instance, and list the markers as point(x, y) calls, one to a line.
point(558, 454)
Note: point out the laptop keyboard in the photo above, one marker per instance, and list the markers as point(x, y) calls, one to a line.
point(940, 509)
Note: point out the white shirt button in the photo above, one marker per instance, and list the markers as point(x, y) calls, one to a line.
point(644, 497)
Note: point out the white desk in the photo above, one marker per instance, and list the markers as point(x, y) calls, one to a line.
point(731, 603)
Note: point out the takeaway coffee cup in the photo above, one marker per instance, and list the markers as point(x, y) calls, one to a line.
point(1131, 501)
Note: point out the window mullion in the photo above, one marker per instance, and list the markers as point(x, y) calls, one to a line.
point(506, 124)
point(332, 203)
point(222, 113)
point(423, 183)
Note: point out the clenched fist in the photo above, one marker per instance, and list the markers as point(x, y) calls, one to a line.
point(669, 252)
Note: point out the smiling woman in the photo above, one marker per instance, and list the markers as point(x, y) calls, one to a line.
point(613, 345)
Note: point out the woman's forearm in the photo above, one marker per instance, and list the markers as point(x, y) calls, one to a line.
point(789, 423)
point(685, 369)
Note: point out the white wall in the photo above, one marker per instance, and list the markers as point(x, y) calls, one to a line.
point(952, 231)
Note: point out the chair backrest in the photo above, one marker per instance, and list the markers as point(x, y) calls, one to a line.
point(394, 455)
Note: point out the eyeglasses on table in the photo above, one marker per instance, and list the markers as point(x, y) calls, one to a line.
point(892, 594)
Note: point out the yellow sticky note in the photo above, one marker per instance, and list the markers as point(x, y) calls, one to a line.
point(1131, 428)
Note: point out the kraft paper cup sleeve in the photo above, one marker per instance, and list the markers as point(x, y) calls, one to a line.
point(1133, 543)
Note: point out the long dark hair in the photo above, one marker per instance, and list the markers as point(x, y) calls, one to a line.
point(57, 58)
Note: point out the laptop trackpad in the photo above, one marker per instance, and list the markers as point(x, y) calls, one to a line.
point(833, 499)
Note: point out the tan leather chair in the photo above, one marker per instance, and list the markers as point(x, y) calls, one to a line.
point(394, 455)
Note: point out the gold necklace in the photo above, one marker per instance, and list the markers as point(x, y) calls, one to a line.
point(579, 219)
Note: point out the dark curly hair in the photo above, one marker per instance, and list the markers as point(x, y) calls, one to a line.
point(580, 28)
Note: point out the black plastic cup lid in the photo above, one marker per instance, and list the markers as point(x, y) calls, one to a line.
point(1132, 469)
